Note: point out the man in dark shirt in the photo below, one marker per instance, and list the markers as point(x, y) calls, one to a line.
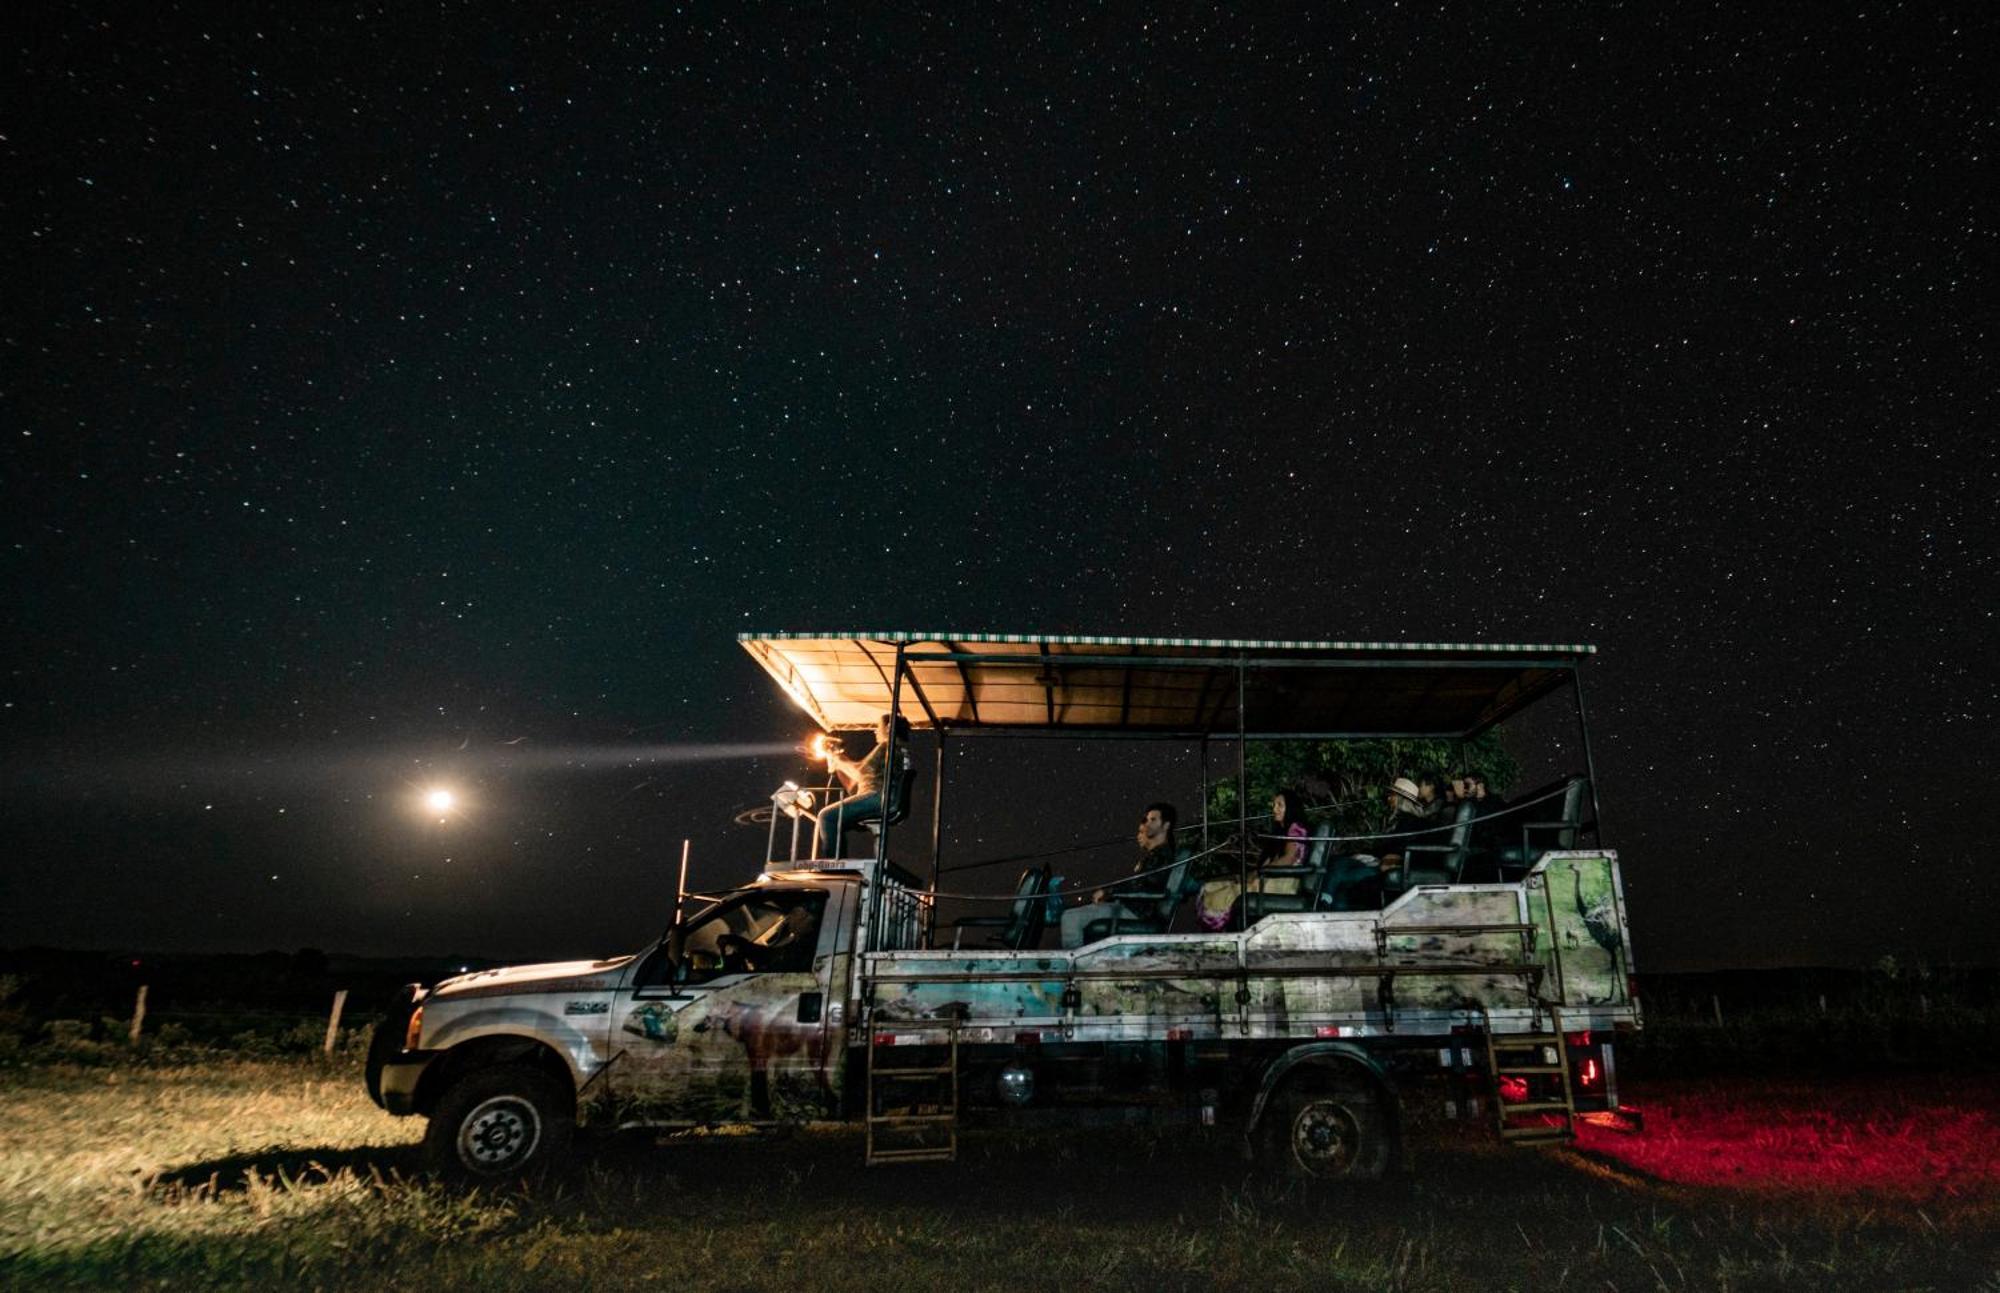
point(1148, 874)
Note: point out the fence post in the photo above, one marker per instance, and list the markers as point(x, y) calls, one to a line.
point(138, 1014)
point(333, 1020)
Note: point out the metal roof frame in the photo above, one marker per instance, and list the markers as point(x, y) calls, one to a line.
point(1462, 688)
point(1100, 686)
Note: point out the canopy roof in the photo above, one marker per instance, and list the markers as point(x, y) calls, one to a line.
point(1162, 686)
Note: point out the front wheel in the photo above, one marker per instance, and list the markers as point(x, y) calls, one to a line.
point(500, 1122)
point(1329, 1127)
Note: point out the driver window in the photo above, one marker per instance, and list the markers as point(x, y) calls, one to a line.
point(757, 933)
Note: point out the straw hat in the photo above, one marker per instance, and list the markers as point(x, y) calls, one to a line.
point(1406, 790)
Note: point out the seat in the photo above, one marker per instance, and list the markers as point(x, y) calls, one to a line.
point(1440, 863)
point(899, 800)
point(1151, 911)
point(1557, 829)
point(1312, 892)
point(1021, 928)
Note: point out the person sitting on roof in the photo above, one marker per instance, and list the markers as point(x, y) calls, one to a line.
point(1156, 855)
point(868, 785)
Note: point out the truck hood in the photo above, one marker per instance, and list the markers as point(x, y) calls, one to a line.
point(550, 976)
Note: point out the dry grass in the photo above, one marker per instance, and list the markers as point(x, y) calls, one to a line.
point(240, 1173)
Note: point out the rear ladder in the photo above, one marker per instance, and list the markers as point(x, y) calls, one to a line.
point(1524, 1058)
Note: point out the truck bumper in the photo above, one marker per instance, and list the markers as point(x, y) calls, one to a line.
point(400, 1076)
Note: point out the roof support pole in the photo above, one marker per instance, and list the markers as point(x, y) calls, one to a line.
point(889, 777)
point(1589, 767)
point(1204, 792)
point(1242, 787)
point(937, 838)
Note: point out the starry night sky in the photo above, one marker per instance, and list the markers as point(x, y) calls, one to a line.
point(399, 393)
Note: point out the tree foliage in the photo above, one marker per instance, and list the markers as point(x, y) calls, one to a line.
point(1346, 783)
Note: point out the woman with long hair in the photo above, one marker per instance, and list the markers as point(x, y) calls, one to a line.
point(1284, 845)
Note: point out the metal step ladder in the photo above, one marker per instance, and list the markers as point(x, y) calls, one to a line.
point(1527, 1056)
point(912, 1108)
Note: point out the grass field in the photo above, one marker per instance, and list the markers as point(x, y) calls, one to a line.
point(242, 1173)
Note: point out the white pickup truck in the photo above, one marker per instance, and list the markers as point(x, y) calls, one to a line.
point(821, 990)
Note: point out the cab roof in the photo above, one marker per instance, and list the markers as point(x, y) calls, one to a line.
point(1024, 682)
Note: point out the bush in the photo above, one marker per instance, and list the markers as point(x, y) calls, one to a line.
point(68, 1032)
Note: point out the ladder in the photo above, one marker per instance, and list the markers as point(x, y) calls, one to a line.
point(913, 1107)
point(1525, 1057)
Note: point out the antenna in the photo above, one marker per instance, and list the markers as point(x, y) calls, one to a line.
point(680, 894)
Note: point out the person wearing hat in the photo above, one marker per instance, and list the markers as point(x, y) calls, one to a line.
point(1410, 815)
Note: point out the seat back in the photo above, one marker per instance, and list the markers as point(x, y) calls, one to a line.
point(1024, 919)
point(1439, 857)
point(899, 789)
point(1172, 884)
point(1563, 815)
point(1321, 849)
point(899, 800)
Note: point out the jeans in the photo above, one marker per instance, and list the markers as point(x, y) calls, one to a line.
point(849, 813)
point(1356, 883)
point(1075, 918)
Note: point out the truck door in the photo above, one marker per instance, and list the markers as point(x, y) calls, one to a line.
point(730, 1021)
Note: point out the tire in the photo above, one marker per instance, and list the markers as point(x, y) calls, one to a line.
point(498, 1123)
point(1328, 1126)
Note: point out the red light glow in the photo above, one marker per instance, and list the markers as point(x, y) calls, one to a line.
point(1934, 1137)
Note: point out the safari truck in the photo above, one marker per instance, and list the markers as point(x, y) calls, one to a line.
point(828, 990)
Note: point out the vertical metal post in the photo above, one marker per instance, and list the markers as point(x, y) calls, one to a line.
point(681, 893)
point(1242, 786)
point(889, 769)
point(1204, 792)
point(1589, 766)
point(937, 838)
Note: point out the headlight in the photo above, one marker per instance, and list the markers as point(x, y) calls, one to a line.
point(415, 1029)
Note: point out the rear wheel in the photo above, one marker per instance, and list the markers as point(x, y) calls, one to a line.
point(1329, 1126)
point(500, 1122)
